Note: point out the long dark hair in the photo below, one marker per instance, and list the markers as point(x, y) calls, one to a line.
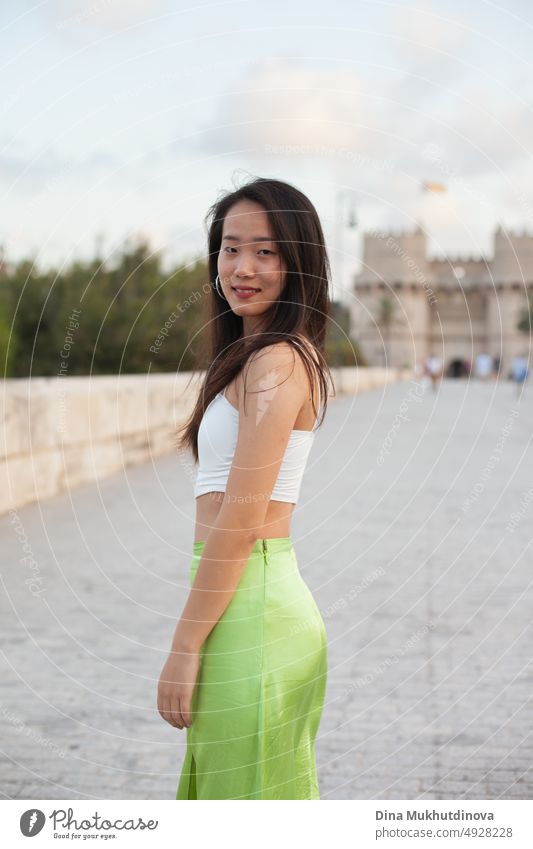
point(302, 310)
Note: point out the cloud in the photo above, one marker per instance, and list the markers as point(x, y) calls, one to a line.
point(285, 103)
point(426, 32)
point(384, 140)
point(481, 136)
point(34, 173)
point(429, 53)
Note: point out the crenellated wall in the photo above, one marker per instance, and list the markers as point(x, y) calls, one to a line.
point(456, 306)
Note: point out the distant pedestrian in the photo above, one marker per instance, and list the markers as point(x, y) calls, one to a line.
point(434, 370)
point(483, 368)
point(519, 371)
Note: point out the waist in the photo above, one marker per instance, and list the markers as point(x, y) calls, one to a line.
point(277, 522)
point(269, 545)
point(272, 559)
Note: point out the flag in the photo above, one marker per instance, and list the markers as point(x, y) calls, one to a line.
point(429, 186)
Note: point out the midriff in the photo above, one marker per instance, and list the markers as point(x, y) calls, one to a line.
point(277, 521)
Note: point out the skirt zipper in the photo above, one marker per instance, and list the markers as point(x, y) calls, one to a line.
point(258, 786)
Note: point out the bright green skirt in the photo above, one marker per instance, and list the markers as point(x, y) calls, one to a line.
point(260, 691)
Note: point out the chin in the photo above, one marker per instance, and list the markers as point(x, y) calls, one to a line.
point(251, 309)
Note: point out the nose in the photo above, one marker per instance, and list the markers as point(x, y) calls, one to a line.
point(244, 266)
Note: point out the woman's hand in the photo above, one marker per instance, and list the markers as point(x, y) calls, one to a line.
point(176, 687)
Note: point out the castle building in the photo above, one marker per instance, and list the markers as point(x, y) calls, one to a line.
point(407, 306)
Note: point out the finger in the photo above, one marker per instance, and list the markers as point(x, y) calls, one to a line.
point(160, 705)
point(177, 712)
point(169, 714)
point(163, 711)
point(185, 706)
point(173, 713)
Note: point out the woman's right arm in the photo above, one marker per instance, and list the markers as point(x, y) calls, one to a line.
point(277, 387)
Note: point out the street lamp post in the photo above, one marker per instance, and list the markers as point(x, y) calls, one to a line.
point(342, 196)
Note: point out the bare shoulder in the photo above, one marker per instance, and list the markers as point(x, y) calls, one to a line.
point(283, 351)
point(272, 364)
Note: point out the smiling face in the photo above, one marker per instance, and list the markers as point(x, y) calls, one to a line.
point(249, 259)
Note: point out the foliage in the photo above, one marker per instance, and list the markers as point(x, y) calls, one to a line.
point(97, 318)
point(525, 322)
point(341, 350)
point(127, 316)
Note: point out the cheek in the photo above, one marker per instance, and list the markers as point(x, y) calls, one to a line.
point(223, 264)
point(275, 274)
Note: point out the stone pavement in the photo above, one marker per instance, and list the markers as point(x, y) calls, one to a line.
point(413, 532)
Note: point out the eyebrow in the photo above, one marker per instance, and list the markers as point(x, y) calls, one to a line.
point(255, 239)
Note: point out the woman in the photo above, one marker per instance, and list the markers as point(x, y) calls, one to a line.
point(246, 674)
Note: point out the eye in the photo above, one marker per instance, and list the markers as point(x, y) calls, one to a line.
point(266, 250)
point(229, 248)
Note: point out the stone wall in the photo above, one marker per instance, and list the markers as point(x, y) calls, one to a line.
point(457, 307)
point(59, 432)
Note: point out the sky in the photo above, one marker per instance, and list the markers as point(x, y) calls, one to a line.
point(128, 118)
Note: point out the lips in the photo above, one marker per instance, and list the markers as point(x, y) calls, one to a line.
point(244, 289)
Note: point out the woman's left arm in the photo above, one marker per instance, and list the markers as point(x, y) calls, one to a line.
point(277, 387)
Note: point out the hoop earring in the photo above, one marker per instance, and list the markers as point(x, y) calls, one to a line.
point(219, 291)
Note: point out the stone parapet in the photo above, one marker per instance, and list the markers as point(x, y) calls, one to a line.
point(59, 432)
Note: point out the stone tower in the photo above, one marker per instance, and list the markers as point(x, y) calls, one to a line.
point(407, 306)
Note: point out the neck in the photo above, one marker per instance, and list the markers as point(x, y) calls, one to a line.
point(251, 325)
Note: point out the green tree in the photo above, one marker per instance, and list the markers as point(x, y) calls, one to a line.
point(525, 321)
point(128, 315)
point(341, 349)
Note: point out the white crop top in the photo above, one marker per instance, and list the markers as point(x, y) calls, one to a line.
point(217, 441)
